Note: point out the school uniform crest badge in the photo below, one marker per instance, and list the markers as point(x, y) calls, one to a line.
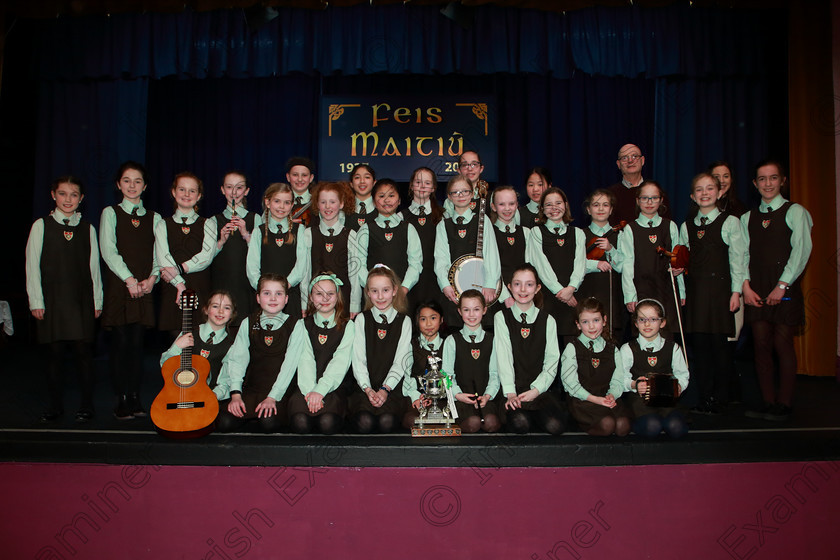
point(322, 338)
point(462, 233)
point(701, 233)
point(765, 223)
point(652, 361)
point(205, 353)
point(361, 221)
point(472, 205)
point(475, 353)
point(268, 340)
point(652, 238)
point(511, 240)
point(328, 247)
point(524, 332)
point(135, 222)
point(381, 333)
point(68, 235)
point(185, 230)
point(596, 362)
point(421, 221)
point(279, 241)
point(561, 241)
point(389, 236)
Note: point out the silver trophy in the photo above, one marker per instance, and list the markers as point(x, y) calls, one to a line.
point(433, 386)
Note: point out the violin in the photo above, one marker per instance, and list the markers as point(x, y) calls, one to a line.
point(678, 255)
point(302, 214)
point(593, 251)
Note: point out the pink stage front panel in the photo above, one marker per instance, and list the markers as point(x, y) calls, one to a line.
point(739, 511)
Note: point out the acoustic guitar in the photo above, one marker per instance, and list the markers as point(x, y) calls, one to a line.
point(467, 272)
point(186, 407)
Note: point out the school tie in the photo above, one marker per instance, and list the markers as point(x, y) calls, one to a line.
point(384, 318)
point(331, 230)
point(269, 326)
point(362, 209)
point(210, 338)
point(703, 221)
point(134, 211)
point(422, 210)
point(507, 229)
point(557, 231)
point(387, 224)
point(524, 318)
point(298, 200)
point(66, 221)
point(649, 349)
point(650, 223)
point(431, 348)
point(184, 220)
point(460, 220)
point(472, 339)
point(326, 323)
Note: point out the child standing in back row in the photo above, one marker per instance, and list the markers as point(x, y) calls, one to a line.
point(65, 292)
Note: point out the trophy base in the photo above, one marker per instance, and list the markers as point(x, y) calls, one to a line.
point(436, 430)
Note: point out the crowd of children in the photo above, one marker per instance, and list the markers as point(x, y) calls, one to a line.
point(322, 312)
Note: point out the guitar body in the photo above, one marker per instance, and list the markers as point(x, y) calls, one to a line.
point(467, 273)
point(186, 406)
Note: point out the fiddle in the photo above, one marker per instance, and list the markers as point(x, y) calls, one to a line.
point(593, 251)
point(302, 214)
point(678, 255)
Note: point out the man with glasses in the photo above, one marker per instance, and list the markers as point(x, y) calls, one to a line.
point(630, 162)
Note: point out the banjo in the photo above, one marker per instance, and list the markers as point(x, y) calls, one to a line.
point(467, 272)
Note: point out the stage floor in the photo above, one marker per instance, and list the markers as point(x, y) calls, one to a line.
point(812, 433)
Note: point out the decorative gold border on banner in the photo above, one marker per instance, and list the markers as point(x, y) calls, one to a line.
point(479, 110)
point(336, 111)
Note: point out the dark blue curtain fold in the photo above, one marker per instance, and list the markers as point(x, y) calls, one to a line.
point(87, 129)
point(615, 42)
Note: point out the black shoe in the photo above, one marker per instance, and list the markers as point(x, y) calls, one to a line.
point(122, 411)
point(778, 412)
point(761, 413)
point(714, 406)
point(135, 407)
point(51, 415)
point(85, 414)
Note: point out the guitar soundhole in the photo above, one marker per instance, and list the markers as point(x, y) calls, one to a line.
point(185, 377)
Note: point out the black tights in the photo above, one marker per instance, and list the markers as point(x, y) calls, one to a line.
point(227, 422)
point(768, 337)
point(366, 423)
point(127, 358)
point(608, 426)
point(650, 425)
point(326, 423)
point(83, 351)
point(550, 418)
point(472, 424)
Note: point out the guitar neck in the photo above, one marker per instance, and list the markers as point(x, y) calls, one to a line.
point(479, 244)
point(186, 326)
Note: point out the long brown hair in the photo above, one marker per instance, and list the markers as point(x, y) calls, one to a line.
point(567, 215)
point(340, 318)
point(273, 189)
point(437, 210)
point(400, 302)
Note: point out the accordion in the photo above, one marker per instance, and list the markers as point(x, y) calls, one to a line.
point(662, 390)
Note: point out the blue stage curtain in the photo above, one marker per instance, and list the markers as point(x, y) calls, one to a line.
point(700, 121)
point(212, 126)
point(87, 129)
point(625, 42)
